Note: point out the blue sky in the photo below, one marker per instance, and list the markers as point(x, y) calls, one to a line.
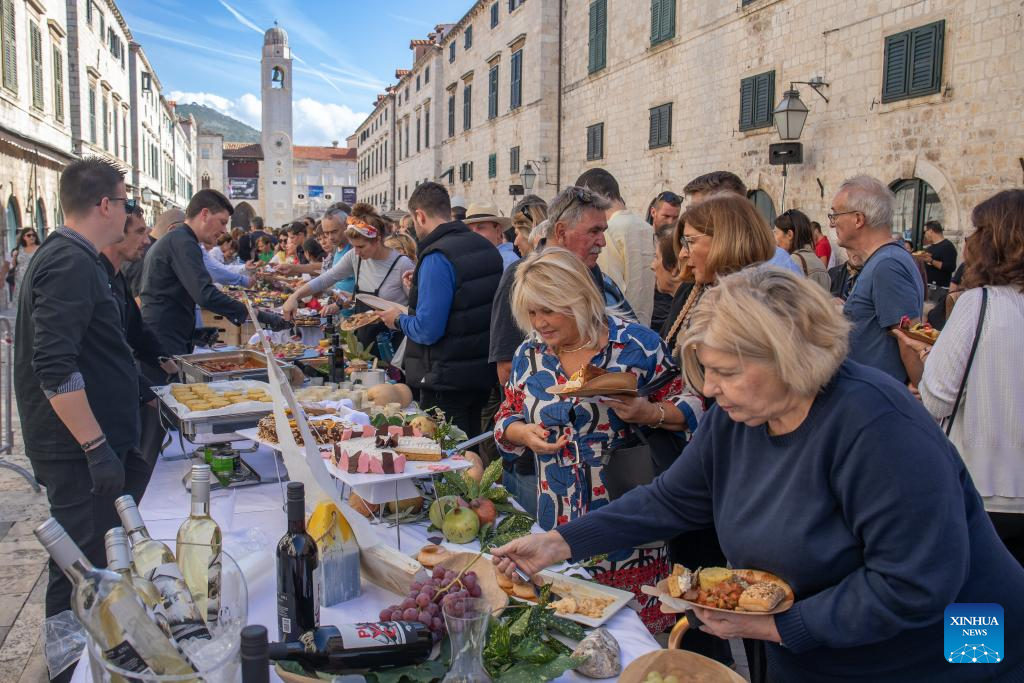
point(346, 51)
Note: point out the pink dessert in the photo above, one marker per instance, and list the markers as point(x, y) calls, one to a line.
point(346, 435)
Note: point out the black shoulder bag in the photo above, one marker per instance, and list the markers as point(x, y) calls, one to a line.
point(642, 456)
point(970, 360)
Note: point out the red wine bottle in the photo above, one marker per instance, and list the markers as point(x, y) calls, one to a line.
point(373, 645)
point(255, 664)
point(298, 572)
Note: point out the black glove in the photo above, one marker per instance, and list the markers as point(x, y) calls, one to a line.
point(205, 336)
point(273, 321)
point(106, 471)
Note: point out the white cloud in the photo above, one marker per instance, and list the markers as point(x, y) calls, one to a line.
point(313, 122)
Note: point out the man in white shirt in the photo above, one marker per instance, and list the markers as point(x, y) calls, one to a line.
point(630, 245)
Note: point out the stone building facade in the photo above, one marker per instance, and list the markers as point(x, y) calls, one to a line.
point(376, 153)
point(35, 127)
point(416, 93)
point(923, 94)
point(323, 175)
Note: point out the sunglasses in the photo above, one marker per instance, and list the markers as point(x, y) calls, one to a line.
point(579, 195)
point(670, 197)
point(130, 205)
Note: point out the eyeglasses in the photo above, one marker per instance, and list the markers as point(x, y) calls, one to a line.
point(130, 205)
point(833, 216)
point(688, 242)
point(670, 197)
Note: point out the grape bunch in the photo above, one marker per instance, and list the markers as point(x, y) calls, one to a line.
point(423, 601)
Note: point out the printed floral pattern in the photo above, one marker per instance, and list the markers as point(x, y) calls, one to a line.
point(571, 483)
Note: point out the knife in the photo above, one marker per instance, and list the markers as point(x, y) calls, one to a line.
point(468, 443)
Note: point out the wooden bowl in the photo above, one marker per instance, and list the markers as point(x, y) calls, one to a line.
point(688, 667)
point(485, 574)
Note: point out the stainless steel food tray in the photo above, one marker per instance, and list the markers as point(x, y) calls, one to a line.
point(211, 429)
point(191, 371)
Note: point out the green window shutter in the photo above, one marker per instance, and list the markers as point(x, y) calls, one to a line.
point(926, 59)
point(660, 133)
point(58, 83)
point(764, 94)
point(426, 128)
point(467, 104)
point(516, 96)
point(451, 115)
point(894, 76)
point(10, 48)
point(595, 141)
point(513, 160)
point(492, 92)
point(663, 20)
point(747, 103)
point(36, 55)
point(492, 166)
point(598, 35)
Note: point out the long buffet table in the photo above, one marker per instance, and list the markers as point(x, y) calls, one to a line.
point(252, 520)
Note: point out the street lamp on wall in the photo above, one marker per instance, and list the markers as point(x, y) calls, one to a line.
point(528, 176)
point(791, 113)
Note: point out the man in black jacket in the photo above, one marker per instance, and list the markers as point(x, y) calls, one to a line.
point(448, 324)
point(175, 278)
point(74, 376)
point(142, 341)
point(940, 255)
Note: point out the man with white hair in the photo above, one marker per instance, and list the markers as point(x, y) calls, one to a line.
point(889, 286)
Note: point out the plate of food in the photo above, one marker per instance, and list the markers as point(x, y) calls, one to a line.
point(922, 332)
point(722, 589)
point(358, 320)
point(379, 303)
point(586, 602)
point(590, 381)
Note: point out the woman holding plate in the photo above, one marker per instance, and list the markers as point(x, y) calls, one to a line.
point(828, 474)
point(554, 297)
point(377, 269)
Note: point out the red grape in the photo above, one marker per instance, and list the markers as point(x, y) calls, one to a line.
point(424, 617)
point(408, 603)
point(385, 614)
point(436, 624)
point(475, 591)
point(422, 600)
point(396, 615)
point(410, 614)
point(439, 573)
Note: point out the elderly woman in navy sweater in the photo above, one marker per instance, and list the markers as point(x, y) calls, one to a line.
point(827, 473)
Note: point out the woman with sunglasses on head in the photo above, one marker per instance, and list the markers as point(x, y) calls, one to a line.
point(530, 211)
point(28, 242)
point(377, 269)
point(794, 234)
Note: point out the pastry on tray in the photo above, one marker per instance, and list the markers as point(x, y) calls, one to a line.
point(359, 320)
point(920, 331)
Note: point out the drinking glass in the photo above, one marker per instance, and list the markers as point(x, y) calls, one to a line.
point(466, 619)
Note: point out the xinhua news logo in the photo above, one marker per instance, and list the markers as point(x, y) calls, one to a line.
point(973, 633)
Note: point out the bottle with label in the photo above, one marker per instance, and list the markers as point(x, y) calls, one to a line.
point(337, 359)
point(111, 611)
point(255, 663)
point(298, 572)
point(154, 561)
point(199, 547)
point(372, 645)
point(119, 559)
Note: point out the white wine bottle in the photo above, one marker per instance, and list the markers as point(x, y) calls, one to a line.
point(111, 611)
point(154, 561)
point(119, 559)
point(199, 547)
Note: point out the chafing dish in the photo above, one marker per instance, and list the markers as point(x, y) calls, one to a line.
point(196, 367)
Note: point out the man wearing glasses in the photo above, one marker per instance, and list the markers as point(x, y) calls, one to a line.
point(74, 374)
point(889, 285)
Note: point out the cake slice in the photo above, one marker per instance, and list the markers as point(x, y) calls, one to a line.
point(419, 448)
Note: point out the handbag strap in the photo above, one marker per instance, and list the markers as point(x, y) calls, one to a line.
point(970, 360)
point(803, 261)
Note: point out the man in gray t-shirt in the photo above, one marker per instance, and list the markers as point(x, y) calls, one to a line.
point(889, 286)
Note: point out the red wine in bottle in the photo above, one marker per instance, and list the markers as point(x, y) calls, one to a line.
point(298, 572)
point(255, 664)
point(373, 645)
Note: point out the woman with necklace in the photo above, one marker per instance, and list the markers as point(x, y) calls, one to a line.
point(555, 298)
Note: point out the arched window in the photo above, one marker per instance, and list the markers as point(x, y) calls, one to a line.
point(277, 77)
point(13, 220)
point(763, 201)
point(916, 203)
point(206, 181)
point(40, 219)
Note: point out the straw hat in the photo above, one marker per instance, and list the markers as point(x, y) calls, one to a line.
point(485, 213)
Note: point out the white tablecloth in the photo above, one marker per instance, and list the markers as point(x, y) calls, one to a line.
point(252, 520)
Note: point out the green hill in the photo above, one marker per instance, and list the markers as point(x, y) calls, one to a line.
point(212, 121)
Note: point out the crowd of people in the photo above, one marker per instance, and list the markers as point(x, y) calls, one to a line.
point(782, 418)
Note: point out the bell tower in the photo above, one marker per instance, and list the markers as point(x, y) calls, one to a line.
point(276, 91)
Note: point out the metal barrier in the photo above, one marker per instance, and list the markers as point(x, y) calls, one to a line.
point(7, 402)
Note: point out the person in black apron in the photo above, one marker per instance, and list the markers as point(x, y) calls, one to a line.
point(384, 341)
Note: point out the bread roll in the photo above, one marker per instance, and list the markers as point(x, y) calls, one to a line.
point(761, 597)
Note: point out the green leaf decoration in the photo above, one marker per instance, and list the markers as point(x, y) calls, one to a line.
point(492, 475)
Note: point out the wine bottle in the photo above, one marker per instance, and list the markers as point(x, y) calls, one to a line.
point(199, 546)
point(154, 561)
point(119, 559)
point(111, 611)
point(336, 362)
point(255, 664)
point(298, 572)
point(372, 645)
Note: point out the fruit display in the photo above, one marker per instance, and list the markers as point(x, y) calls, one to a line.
point(423, 601)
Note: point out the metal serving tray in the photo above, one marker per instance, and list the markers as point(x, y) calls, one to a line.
point(192, 371)
point(212, 429)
